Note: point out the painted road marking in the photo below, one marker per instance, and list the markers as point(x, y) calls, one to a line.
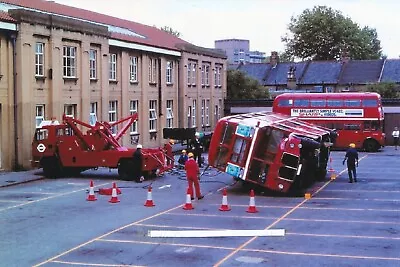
point(215, 233)
point(47, 198)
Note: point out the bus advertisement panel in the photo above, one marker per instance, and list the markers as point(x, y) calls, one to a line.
point(357, 117)
point(272, 150)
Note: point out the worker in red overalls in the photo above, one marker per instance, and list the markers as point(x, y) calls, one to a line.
point(168, 152)
point(192, 175)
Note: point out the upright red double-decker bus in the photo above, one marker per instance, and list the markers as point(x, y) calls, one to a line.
point(357, 117)
point(272, 150)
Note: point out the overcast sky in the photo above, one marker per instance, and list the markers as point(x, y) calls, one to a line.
point(263, 22)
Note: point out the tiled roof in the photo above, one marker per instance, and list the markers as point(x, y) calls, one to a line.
point(154, 36)
point(278, 75)
point(322, 72)
point(5, 17)
point(391, 71)
point(255, 70)
point(361, 71)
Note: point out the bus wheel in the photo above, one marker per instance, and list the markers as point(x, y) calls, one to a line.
point(371, 145)
point(123, 169)
point(51, 167)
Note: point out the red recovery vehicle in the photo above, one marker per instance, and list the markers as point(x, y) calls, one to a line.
point(64, 149)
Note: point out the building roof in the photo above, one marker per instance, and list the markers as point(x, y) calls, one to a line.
point(322, 72)
point(327, 72)
point(255, 70)
point(4, 16)
point(391, 71)
point(135, 32)
point(361, 71)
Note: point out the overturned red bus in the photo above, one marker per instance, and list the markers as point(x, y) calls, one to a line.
point(271, 150)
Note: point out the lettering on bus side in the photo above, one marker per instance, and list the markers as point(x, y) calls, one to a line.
point(326, 112)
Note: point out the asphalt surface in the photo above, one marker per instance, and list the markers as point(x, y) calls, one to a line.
point(341, 224)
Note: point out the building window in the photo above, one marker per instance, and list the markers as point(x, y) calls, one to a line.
point(207, 75)
point(112, 114)
point(39, 59)
point(93, 64)
point(133, 108)
point(152, 115)
point(152, 70)
point(170, 114)
point(207, 112)
point(194, 113)
point(202, 75)
point(93, 113)
point(218, 81)
point(219, 108)
point(133, 70)
point(191, 73)
point(70, 110)
point(203, 107)
point(189, 116)
point(39, 114)
point(113, 67)
point(69, 61)
point(169, 72)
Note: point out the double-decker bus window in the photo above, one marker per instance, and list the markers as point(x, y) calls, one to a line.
point(41, 134)
point(301, 102)
point(228, 133)
point(285, 103)
point(318, 103)
point(338, 126)
point(370, 103)
point(352, 103)
point(238, 150)
point(274, 141)
point(351, 127)
point(332, 103)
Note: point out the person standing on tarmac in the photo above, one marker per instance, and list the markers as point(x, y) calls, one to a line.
point(137, 164)
point(192, 175)
point(168, 152)
point(352, 162)
point(396, 134)
point(197, 149)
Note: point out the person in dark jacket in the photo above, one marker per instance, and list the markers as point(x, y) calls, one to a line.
point(352, 162)
point(182, 159)
point(137, 158)
point(197, 149)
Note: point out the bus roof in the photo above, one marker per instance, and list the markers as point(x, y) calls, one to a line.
point(352, 95)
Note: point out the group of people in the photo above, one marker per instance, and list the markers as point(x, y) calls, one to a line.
point(186, 160)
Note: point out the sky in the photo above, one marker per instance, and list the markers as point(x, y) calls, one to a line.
point(262, 22)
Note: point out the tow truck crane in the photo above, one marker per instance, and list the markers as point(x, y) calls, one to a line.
point(63, 149)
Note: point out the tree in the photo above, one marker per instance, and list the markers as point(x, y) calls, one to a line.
point(325, 34)
point(385, 89)
point(241, 86)
point(170, 31)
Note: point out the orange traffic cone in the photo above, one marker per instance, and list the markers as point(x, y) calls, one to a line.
point(188, 205)
point(149, 201)
point(252, 205)
point(114, 197)
point(224, 205)
point(330, 165)
point(91, 196)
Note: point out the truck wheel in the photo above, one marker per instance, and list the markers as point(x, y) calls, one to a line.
point(123, 170)
point(51, 167)
point(371, 145)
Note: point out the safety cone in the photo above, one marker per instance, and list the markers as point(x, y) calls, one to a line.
point(91, 196)
point(114, 197)
point(252, 205)
point(188, 205)
point(149, 202)
point(224, 205)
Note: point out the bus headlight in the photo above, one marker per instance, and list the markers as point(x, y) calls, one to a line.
point(280, 186)
point(300, 145)
point(291, 145)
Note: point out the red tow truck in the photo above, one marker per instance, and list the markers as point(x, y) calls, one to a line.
point(63, 149)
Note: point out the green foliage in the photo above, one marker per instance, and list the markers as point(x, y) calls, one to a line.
point(325, 34)
point(385, 89)
point(241, 86)
point(170, 31)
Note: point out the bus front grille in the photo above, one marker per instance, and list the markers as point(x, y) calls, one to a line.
point(287, 173)
point(290, 160)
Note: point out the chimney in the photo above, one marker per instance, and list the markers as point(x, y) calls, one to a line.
point(291, 77)
point(345, 56)
point(274, 58)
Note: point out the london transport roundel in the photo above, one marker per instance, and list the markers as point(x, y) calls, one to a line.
point(41, 148)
